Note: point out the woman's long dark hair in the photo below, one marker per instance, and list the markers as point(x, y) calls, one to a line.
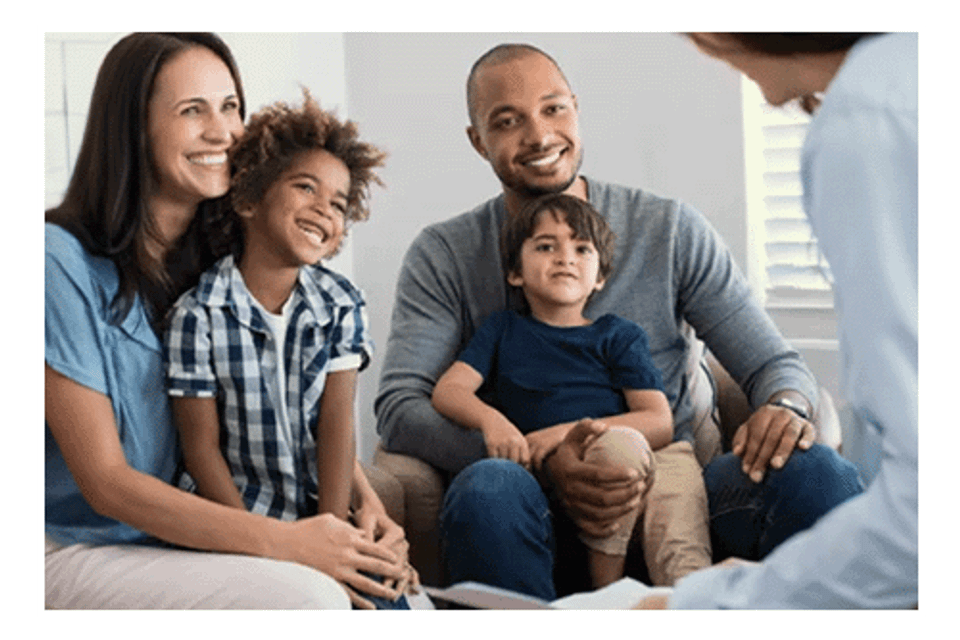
point(104, 206)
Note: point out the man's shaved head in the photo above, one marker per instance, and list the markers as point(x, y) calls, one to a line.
point(498, 55)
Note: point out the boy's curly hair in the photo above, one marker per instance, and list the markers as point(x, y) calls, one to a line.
point(278, 133)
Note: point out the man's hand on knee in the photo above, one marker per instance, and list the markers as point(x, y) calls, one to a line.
point(595, 496)
point(768, 438)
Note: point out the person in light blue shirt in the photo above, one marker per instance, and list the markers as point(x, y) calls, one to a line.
point(859, 172)
point(141, 219)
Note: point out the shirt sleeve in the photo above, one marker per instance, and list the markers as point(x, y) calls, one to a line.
point(631, 365)
point(861, 175)
point(481, 351)
point(187, 353)
point(351, 336)
point(74, 312)
point(345, 363)
point(424, 339)
point(714, 297)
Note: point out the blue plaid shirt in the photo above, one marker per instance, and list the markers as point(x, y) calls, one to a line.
point(219, 345)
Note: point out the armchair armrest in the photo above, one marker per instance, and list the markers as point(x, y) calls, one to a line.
point(423, 487)
point(734, 409)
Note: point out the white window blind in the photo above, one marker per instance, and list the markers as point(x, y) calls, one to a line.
point(71, 62)
point(787, 268)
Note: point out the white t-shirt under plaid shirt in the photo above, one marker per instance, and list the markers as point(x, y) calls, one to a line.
point(219, 344)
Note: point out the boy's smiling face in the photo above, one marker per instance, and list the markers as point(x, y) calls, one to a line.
point(301, 218)
point(556, 270)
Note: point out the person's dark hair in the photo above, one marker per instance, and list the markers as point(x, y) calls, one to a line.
point(498, 55)
point(105, 202)
point(786, 44)
point(585, 222)
point(780, 45)
point(277, 134)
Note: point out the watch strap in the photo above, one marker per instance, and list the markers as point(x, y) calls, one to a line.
point(792, 406)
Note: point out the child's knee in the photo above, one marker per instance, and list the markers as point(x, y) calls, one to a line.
point(622, 446)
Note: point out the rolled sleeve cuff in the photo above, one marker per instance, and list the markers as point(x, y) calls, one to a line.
point(345, 362)
point(191, 388)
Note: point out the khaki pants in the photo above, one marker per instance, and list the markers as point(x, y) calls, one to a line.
point(675, 531)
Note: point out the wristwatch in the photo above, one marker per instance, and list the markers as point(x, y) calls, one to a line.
point(796, 407)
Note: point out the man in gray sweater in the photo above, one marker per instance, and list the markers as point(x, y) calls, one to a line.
point(672, 275)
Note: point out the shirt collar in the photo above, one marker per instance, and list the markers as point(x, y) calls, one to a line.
point(223, 286)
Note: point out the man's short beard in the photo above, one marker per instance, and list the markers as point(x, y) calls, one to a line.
point(533, 191)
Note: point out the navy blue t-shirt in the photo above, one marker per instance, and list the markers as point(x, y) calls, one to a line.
point(539, 375)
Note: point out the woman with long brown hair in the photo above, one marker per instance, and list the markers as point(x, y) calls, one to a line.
point(141, 219)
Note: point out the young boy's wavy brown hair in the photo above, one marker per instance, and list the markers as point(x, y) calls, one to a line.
point(278, 133)
point(585, 222)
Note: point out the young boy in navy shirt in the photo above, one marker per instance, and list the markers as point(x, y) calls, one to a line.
point(545, 370)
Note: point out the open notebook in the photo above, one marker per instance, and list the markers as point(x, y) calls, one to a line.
point(625, 593)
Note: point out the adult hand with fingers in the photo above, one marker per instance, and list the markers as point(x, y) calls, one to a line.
point(378, 527)
point(595, 496)
point(771, 434)
point(343, 552)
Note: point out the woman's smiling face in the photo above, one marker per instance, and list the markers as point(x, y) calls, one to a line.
point(193, 117)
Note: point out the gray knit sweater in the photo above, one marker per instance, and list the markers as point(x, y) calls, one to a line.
point(670, 267)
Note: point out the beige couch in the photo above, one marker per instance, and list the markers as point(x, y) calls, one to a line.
point(412, 490)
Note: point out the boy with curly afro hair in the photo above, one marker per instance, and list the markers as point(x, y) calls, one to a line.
point(276, 134)
point(262, 355)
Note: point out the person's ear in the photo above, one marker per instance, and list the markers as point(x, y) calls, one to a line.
point(477, 143)
point(514, 279)
point(600, 283)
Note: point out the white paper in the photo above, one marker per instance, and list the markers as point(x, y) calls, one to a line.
point(625, 593)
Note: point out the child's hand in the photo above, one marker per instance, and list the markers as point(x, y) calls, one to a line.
point(544, 442)
point(504, 440)
point(378, 527)
point(343, 552)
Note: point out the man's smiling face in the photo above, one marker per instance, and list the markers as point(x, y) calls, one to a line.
point(527, 126)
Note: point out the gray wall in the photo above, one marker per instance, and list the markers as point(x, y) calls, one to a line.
point(654, 114)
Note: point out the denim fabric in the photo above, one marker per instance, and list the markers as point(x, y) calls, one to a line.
point(496, 524)
point(495, 528)
point(383, 603)
point(748, 520)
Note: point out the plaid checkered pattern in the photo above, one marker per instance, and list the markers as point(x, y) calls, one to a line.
point(218, 345)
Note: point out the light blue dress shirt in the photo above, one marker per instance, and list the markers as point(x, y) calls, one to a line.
point(859, 170)
point(123, 362)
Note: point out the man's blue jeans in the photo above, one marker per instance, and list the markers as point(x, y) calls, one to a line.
point(497, 525)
